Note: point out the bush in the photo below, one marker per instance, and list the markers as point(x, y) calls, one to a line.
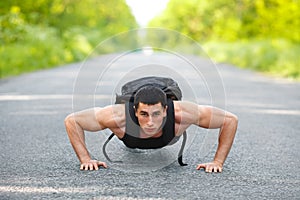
point(38, 52)
point(12, 26)
point(276, 57)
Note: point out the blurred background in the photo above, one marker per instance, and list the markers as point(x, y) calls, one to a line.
point(261, 35)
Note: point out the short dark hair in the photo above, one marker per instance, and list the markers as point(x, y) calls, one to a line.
point(150, 95)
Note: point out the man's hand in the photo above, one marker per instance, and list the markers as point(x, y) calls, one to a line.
point(92, 165)
point(211, 167)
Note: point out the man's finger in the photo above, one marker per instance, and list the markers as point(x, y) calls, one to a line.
point(215, 169)
point(220, 169)
point(81, 167)
point(201, 166)
point(103, 164)
point(208, 169)
point(91, 166)
point(95, 166)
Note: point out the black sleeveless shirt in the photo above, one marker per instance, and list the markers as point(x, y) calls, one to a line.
point(131, 138)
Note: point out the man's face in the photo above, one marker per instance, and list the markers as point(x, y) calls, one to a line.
point(150, 117)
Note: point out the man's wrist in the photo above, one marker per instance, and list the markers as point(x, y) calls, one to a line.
point(218, 162)
point(84, 160)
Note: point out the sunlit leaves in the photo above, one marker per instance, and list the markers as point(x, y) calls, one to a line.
point(230, 20)
point(37, 34)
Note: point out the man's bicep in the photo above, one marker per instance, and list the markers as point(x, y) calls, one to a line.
point(87, 119)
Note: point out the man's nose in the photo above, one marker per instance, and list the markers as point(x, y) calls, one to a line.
point(150, 121)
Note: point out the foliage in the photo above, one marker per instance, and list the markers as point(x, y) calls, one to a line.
point(260, 34)
point(113, 15)
point(12, 26)
point(33, 54)
point(230, 20)
point(275, 57)
point(36, 34)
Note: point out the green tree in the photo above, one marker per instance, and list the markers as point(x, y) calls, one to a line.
point(230, 20)
point(113, 16)
point(278, 18)
point(45, 33)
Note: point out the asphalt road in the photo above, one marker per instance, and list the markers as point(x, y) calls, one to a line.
point(38, 162)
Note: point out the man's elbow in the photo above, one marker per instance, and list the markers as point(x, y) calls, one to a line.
point(69, 121)
point(232, 119)
point(235, 119)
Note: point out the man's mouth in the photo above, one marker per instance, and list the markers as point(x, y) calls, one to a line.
point(150, 129)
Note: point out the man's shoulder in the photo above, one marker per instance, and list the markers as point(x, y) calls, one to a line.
point(183, 104)
point(181, 107)
point(118, 108)
point(114, 110)
point(119, 105)
point(113, 115)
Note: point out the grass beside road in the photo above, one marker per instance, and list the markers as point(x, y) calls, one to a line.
point(277, 57)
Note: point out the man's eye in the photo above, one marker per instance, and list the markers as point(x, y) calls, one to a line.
point(156, 114)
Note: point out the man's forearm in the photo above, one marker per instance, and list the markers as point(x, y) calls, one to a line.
point(77, 139)
point(226, 138)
